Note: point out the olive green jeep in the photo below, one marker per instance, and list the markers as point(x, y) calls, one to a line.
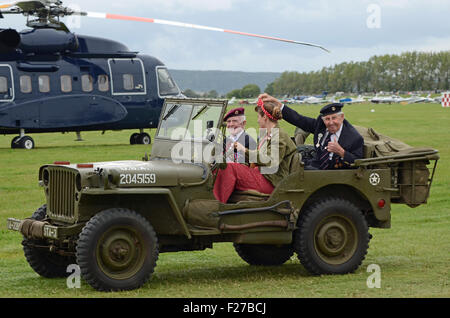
point(114, 218)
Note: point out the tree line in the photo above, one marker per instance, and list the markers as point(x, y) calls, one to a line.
point(410, 71)
point(248, 91)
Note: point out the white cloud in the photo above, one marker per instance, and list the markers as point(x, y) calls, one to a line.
point(198, 5)
point(316, 11)
point(410, 4)
point(158, 6)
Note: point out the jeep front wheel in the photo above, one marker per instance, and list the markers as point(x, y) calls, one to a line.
point(38, 255)
point(117, 250)
point(332, 237)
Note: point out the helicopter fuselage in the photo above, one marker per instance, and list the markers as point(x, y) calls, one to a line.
point(60, 82)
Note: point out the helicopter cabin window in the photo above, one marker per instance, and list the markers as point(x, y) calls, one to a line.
point(103, 83)
point(25, 84)
point(127, 77)
point(66, 83)
point(87, 83)
point(44, 83)
point(3, 84)
point(166, 84)
point(128, 83)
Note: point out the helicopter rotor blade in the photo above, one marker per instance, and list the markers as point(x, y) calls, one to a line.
point(55, 8)
point(24, 5)
point(6, 5)
point(192, 26)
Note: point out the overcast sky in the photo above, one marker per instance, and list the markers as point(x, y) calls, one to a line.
point(351, 30)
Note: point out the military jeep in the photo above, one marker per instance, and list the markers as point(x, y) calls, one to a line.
point(114, 218)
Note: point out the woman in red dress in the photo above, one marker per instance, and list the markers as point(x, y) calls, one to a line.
point(270, 162)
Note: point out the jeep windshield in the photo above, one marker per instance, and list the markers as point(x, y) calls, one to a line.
point(189, 121)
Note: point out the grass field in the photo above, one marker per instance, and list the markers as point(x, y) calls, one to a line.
point(414, 255)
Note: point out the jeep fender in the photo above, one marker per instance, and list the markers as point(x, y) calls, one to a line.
point(121, 193)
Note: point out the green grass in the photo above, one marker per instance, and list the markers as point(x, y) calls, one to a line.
point(414, 255)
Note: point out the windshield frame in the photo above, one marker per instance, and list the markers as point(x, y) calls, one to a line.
point(193, 103)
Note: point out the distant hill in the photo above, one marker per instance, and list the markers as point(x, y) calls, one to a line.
point(220, 81)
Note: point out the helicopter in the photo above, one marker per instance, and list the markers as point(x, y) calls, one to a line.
point(53, 80)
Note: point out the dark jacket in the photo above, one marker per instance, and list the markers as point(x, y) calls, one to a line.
point(350, 139)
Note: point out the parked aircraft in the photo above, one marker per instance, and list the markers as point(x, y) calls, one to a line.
point(403, 100)
point(350, 100)
point(317, 99)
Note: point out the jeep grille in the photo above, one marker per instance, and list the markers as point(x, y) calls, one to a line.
point(61, 190)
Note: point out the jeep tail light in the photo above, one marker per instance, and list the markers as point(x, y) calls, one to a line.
point(381, 203)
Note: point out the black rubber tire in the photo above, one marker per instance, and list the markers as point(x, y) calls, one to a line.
point(134, 139)
point(104, 246)
point(332, 237)
point(40, 213)
point(26, 142)
point(43, 262)
point(262, 254)
point(14, 144)
point(144, 139)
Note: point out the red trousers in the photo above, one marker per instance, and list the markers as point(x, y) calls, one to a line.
point(239, 177)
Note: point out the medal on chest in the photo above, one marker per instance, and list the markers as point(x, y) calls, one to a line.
point(319, 136)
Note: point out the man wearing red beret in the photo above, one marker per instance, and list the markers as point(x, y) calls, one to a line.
point(235, 120)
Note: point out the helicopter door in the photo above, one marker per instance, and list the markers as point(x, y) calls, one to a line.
point(6, 83)
point(127, 77)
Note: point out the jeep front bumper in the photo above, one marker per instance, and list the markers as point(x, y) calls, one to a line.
point(33, 229)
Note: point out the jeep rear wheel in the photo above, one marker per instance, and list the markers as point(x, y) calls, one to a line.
point(332, 237)
point(268, 255)
point(117, 250)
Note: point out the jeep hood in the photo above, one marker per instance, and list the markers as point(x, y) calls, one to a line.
point(140, 173)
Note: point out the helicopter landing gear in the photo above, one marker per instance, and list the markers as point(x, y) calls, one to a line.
point(22, 141)
point(79, 136)
point(144, 139)
point(140, 139)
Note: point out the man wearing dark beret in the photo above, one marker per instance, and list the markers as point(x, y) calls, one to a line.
point(235, 121)
point(336, 141)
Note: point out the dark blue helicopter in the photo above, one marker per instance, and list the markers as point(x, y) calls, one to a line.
point(52, 80)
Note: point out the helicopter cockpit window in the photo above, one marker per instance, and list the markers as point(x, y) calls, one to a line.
point(3, 84)
point(167, 85)
point(128, 83)
point(66, 83)
point(44, 83)
point(25, 84)
point(103, 83)
point(87, 83)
